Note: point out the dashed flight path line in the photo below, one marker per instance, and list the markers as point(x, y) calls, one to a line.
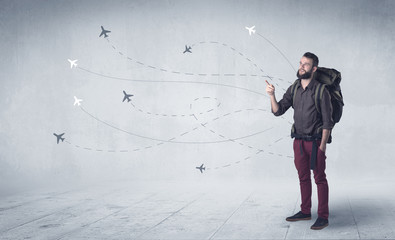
point(214, 119)
point(180, 114)
point(166, 81)
point(243, 55)
point(235, 140)
point(241, 144)
point(245, 159)
point(210, 74)
point(194, 115)
point(172, 140)
point(282, 54)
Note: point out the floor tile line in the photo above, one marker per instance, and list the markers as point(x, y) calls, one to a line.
point(223, 224)
point(100, 219)
point(172, 214)
point(353, 216)
point(289, 225)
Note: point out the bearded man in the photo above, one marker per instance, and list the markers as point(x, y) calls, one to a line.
point(311, 131)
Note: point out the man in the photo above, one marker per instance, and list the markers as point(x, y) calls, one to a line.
point(311, 130)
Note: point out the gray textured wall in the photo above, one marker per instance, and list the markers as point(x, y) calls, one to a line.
point(37, 88)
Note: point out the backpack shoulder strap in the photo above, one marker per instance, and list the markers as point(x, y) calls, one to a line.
point(293, 90)
point(319, 91)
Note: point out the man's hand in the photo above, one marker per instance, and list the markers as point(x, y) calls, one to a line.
point(323, 147)
point(325, 136)
point(270, 89)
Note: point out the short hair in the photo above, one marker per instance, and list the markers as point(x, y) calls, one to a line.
point(313, 57)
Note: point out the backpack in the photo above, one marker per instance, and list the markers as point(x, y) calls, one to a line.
point(330, 79)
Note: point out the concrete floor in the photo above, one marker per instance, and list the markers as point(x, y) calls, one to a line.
point(126, 210)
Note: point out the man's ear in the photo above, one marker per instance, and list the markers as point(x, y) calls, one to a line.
point(314, 69)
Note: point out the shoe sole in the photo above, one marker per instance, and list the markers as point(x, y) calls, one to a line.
point(319, 228)
point(297, 219)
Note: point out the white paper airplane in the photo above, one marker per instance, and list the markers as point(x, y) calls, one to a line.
point(77, 101)
point(72, 63)
point(251, 30)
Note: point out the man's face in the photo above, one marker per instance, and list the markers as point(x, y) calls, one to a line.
point(306, 68)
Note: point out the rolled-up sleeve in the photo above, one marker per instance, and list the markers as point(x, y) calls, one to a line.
point(326, 111)
point(285, 103)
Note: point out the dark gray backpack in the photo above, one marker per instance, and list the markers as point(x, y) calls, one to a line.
point(330, 79)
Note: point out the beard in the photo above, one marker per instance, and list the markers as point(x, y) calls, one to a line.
point(305, 75)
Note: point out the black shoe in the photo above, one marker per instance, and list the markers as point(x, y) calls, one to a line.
point(320, 224)
point(299, 216)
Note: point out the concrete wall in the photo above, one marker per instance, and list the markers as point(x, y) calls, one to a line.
point(143, 55)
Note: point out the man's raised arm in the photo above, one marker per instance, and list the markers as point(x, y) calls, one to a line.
point(270, 91)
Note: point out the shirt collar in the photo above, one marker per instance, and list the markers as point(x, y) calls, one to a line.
point(311, 85)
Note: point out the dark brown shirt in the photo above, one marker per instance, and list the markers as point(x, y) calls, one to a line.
point(306, 117)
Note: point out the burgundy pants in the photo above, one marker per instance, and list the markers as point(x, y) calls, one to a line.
point(302, 151)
